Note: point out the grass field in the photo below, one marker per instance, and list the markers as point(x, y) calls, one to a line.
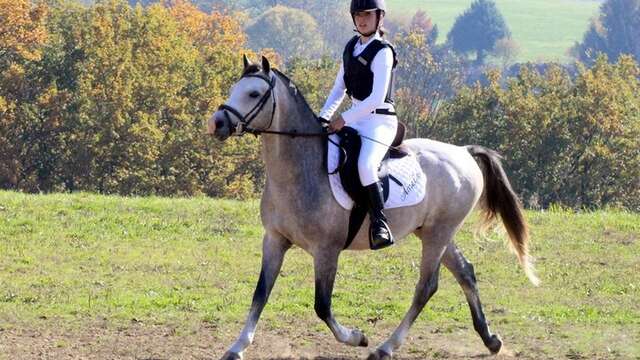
point(544, 29)
point(86, 276)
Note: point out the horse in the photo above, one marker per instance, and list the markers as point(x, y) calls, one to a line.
point(298, 208)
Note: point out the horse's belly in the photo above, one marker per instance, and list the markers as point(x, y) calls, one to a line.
point(399, 228)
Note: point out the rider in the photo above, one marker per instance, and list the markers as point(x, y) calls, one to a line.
point(366, 75)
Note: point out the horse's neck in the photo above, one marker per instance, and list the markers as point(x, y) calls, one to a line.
point(295, 165)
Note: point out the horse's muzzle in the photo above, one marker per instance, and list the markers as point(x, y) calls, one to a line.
point(218, 126)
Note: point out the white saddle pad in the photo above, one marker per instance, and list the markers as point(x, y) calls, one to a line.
point(406, 170)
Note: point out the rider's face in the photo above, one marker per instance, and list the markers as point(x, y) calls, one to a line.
point(366, 21)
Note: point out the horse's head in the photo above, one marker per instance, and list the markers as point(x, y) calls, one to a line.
point(251, 104)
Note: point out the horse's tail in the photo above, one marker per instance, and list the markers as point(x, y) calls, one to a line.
point(499, 198)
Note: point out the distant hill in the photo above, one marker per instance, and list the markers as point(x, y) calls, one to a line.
point(544, 29)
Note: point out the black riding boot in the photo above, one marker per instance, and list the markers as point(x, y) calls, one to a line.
point(379, 233)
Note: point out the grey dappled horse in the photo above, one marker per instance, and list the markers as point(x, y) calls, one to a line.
point(299, 209)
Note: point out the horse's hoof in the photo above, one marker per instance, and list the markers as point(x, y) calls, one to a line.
point(231, 356)
point(379, 355)
point(364, 342)
point(494, 344)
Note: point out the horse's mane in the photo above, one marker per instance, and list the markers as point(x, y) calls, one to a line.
point(293, 89)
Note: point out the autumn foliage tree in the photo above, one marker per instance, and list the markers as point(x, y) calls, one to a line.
point(23, 96)
point(22, 30)
point(421, 22)
point(118, 99)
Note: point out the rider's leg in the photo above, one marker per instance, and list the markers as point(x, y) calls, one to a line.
point(378, 132)
point(380, 235)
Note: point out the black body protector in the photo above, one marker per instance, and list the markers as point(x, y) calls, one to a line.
point(358, 76)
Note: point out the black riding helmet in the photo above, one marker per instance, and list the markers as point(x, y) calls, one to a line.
point(368, 5)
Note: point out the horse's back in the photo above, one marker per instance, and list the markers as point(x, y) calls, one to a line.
point(436, 153)
point(452, 173)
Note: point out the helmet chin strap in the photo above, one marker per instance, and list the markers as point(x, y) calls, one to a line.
point(369, 34)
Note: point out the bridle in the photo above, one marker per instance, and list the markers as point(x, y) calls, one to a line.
point(244, 122)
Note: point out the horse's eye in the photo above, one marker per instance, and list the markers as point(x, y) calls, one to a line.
point(254, 94)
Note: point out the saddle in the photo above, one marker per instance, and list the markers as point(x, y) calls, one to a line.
point(350, 145)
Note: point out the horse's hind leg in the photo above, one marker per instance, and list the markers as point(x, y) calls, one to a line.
point(326, 265)
point(434, 245)
point(274, 247)
point(462, 270)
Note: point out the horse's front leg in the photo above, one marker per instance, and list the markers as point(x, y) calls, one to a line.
point(326, 265)
point(274, 247)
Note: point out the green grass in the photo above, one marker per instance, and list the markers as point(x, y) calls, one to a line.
point(76, 258)
point(544, 29)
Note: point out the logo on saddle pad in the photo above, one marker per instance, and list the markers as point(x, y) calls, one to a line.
point(410, 188)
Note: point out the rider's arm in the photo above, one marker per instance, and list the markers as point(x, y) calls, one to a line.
point(336, 96)
point(381, 66)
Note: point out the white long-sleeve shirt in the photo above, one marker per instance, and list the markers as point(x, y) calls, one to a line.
point(381, 66)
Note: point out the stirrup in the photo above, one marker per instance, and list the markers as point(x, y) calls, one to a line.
point(376, 242)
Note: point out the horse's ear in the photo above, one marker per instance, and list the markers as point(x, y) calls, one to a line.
point(246, 61)
point(266, 67)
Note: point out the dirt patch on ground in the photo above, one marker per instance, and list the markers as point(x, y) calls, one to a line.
point(141, 341)
point(621, 238)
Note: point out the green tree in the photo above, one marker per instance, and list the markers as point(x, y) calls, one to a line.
point(333, 19)
point(426, 76)
point(506, 50)
point(615, 32)
point(334, 23)
point(254, 7)
point(573, 142)
point(478, 30)
point(290, 32)
point(314, 78)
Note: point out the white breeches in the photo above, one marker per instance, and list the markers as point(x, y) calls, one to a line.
point(381, 128)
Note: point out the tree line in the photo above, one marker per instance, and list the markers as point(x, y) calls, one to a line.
point(113, 98)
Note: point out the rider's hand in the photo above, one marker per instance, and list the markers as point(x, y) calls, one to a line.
point(323, 122)
point(336, 124)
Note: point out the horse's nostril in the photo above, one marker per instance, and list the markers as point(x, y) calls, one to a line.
point(219, 123)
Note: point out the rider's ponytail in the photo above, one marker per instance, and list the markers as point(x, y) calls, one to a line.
point(381, 29)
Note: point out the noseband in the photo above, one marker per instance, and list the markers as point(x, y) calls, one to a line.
point(244, 121)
